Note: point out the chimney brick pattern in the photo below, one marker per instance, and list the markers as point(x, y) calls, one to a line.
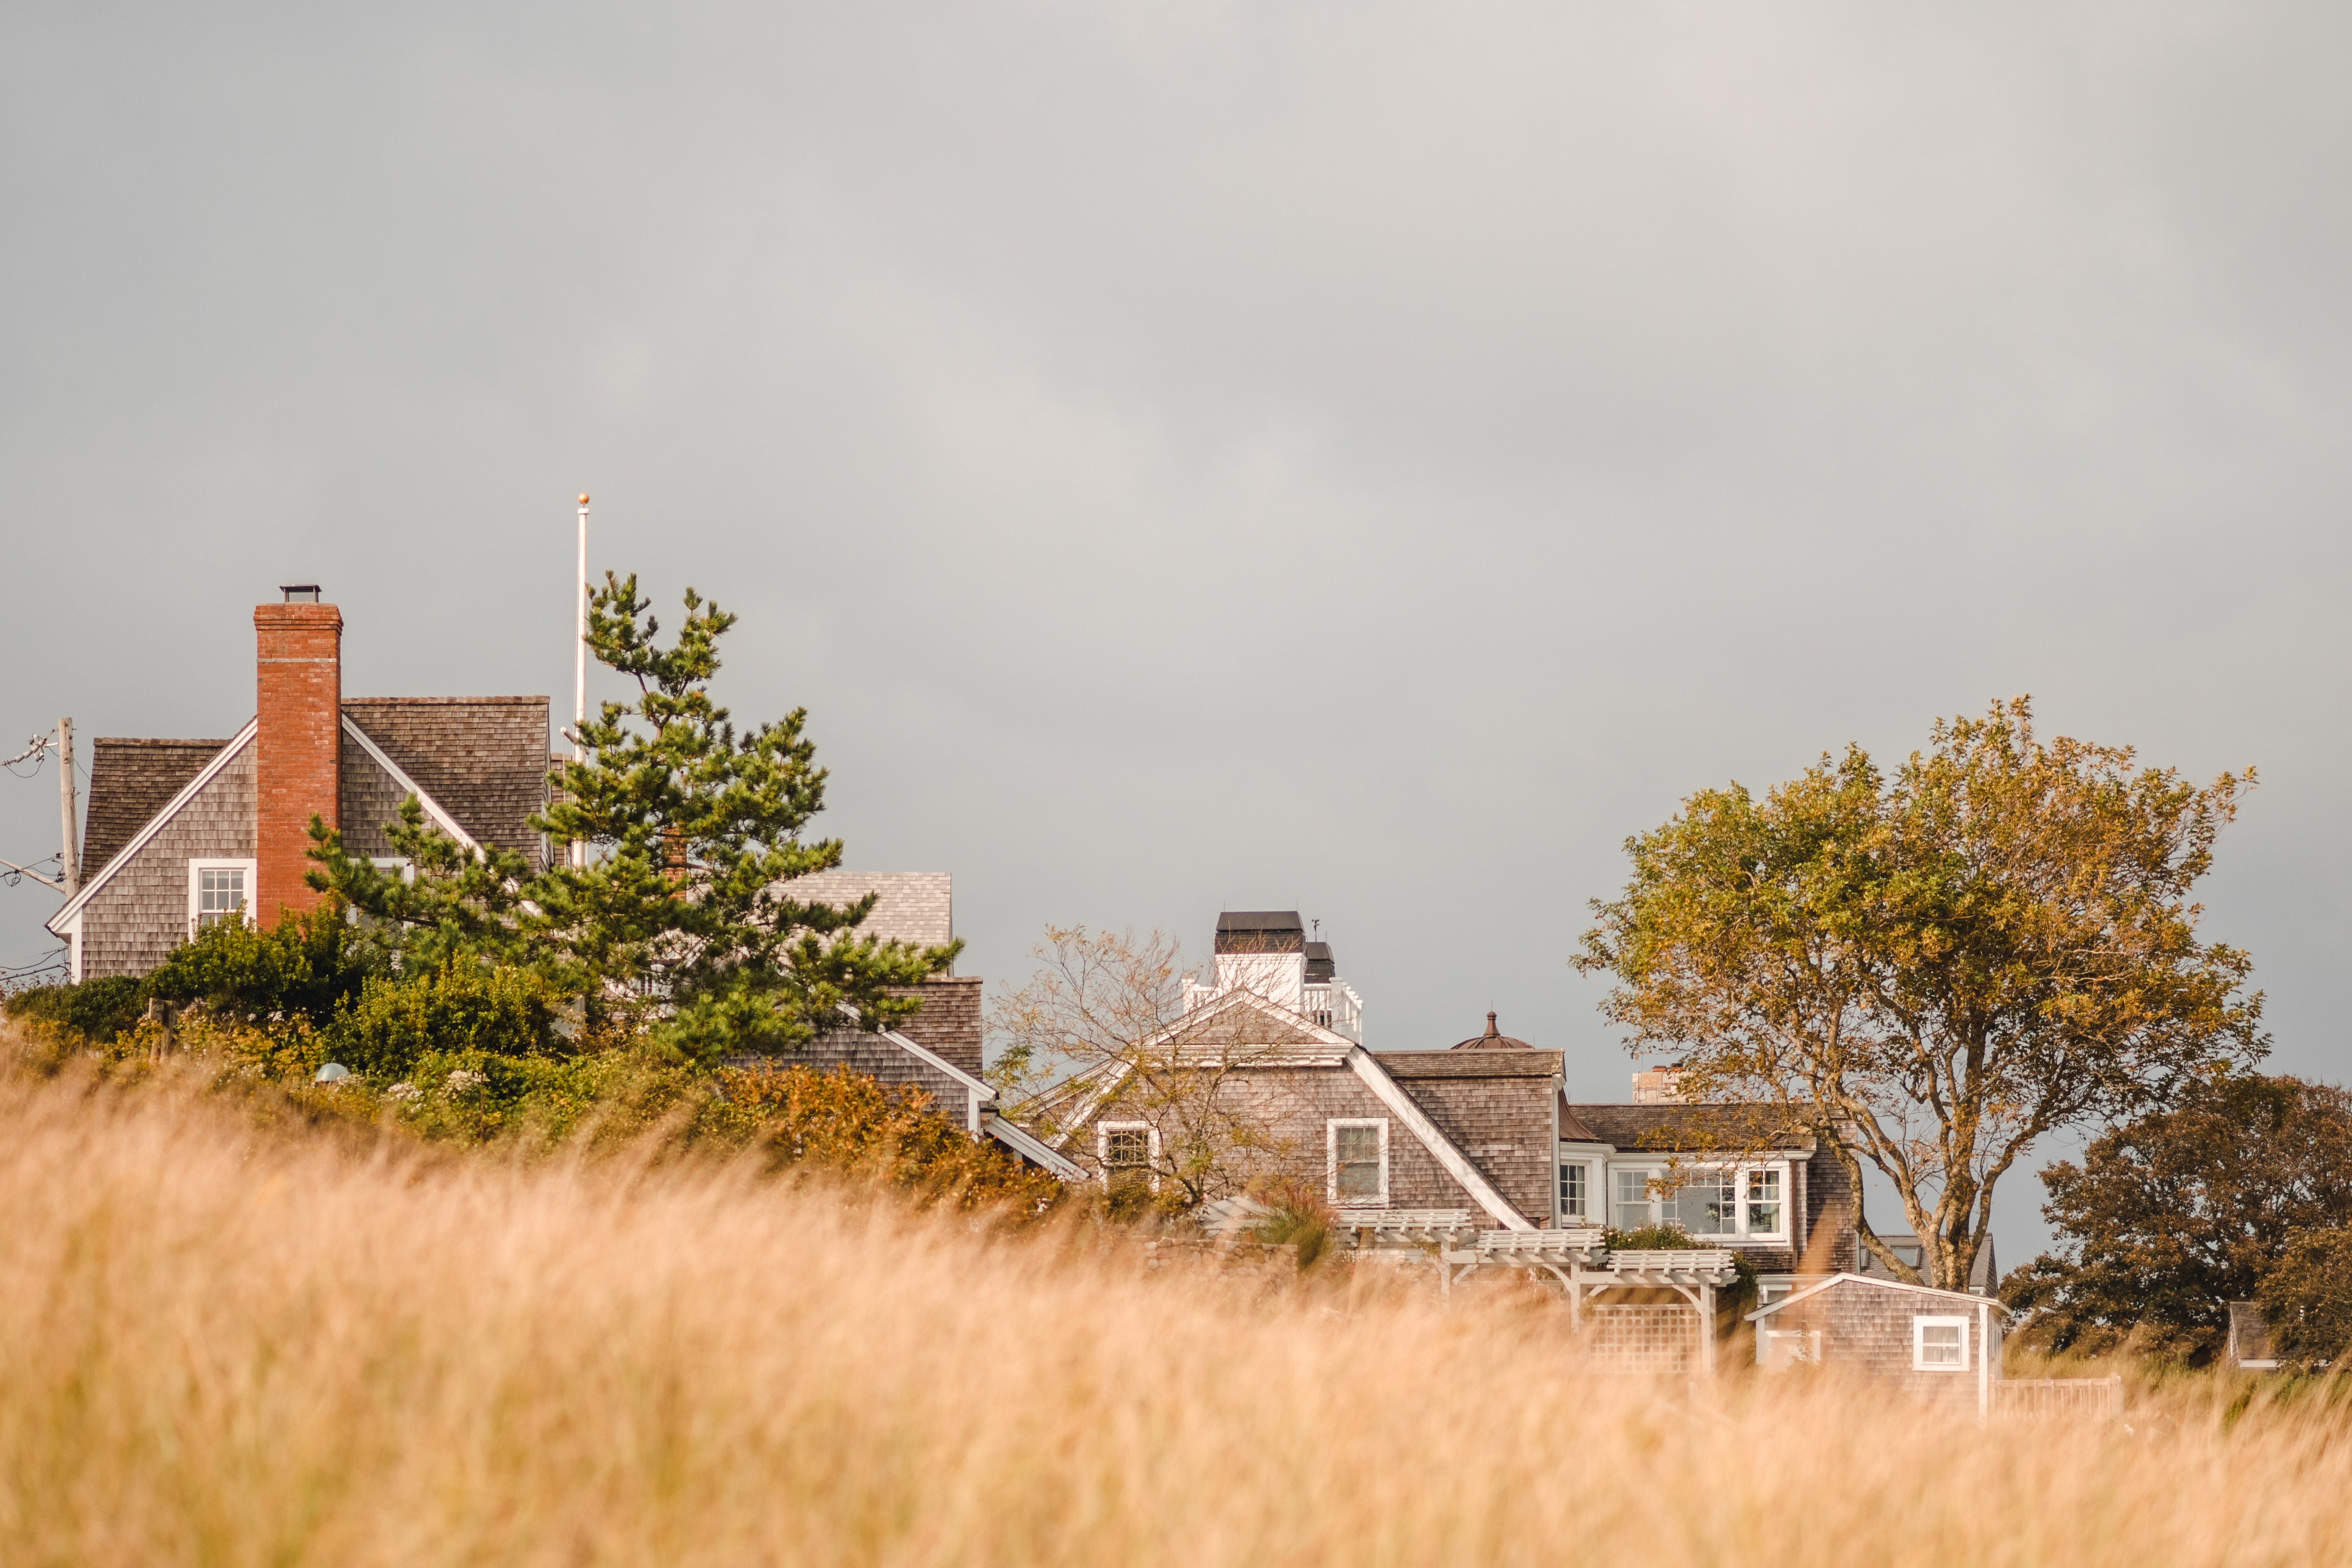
point(298, 745)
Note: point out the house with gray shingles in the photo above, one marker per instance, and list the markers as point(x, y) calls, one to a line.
point(1475, 1150)
point(182, 833)
point(939, 1049)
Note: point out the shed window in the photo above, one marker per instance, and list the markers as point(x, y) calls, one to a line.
point(1939, 1344)
point(1359, 1162)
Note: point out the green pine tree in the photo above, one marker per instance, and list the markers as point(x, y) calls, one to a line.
point(683, 919)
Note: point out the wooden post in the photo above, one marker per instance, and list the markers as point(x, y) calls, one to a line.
point(69, 876)
point(1706, 1327)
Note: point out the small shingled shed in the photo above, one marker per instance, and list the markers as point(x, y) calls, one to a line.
point(1941, 1348)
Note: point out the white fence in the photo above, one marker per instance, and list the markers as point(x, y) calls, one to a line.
point(2060, 1398)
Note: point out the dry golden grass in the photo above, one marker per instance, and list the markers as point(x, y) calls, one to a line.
point(225, 1346)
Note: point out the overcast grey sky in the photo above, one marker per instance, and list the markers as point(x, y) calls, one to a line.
point(1366, 457)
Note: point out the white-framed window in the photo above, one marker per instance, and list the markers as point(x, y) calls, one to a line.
point(1575, 1190)
point(219, 891)
point(1128, 1152)
point(399, 866)
point(1732, 1204)
point(1358, 1152)
point(1939, 1344)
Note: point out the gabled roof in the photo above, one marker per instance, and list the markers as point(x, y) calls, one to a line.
point(1963, 1296)
point(484, 760)
point(1276, 1036)
point(62, 922)
point(130, 781)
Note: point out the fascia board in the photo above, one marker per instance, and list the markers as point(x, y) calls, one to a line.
point(1902, 1285)
point(58, 924)
point(1028, 1145)
point(1455, 1163)
point(441, 819)
point(1239, 996)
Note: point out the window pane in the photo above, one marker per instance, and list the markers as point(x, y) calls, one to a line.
point(1939, 1344)
point(1764, 1203)
point(1706, 1206)
point(1572, 1191)
point(220, 893)
point(1357, 1154)
point(1632, 1199)
point(1127, 1148)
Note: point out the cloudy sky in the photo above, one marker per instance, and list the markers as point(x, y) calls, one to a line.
point(1367, 458)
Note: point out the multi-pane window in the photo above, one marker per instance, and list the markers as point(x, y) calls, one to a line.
point(1764, 1203)
point(1939, 1344)
point(1572, 1191)
point(1358, 1162)
point(1726, 1204)
point(1704, 1206)
point(1633, 1205)
point(1126, 1155)
point(220, 894)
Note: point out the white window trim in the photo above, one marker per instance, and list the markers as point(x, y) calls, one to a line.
point(1558, 1206)
point(252, 869)
point(1920, 1324)
point(1740, 1173)
point(1331, 1160)
point(1103, 1130)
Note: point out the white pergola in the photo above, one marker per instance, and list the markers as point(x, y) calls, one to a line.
point(1578, 1256)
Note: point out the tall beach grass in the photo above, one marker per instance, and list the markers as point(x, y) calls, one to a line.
point(222, 1343)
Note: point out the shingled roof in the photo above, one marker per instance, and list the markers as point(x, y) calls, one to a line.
point(1689, 1127)
point(917, 907)
point(484, 760)
point(130, 781)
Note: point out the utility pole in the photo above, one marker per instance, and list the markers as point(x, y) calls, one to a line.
point(580, 665)
point(68, 877)
point(70, 871)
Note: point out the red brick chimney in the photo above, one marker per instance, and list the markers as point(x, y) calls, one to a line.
point(298, 742)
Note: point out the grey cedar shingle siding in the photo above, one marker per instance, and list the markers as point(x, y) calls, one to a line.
point(1867, 1327)
point(1495, 1105)
point(482, 759)
point(131, 923)
point(879, 1057)
point(129, 782)
point(949, 1025)
point(370, 799)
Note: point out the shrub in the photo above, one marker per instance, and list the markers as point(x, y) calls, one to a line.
point(306, 965)
point(1298, 1215)
point(843, 1121)
point(463, 1010)
point(98, 1010)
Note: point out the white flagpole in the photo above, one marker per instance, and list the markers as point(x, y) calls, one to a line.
point(579, 664)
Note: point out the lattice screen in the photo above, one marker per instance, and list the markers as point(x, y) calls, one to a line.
point(1656, 1337)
